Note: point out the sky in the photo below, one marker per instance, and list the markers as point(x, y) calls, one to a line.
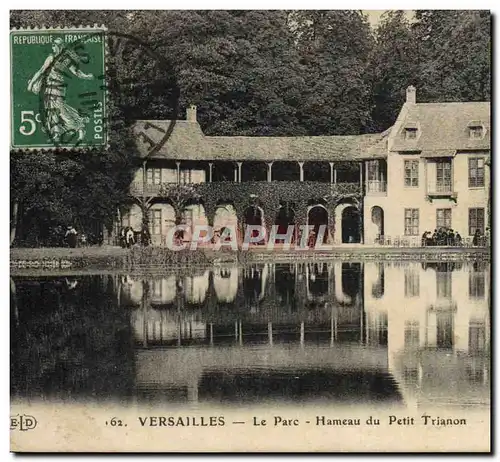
point(374, 16)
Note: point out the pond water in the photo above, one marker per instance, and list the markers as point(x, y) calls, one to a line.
point(344, 333)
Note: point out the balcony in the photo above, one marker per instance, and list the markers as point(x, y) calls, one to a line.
point(376, 188)
point(276, 190)
point(441, 190)
point(137, 189)
point(443, 305)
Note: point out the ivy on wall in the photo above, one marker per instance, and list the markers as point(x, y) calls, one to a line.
point(268, 196)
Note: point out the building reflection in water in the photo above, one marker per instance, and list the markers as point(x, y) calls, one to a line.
point(413, 333)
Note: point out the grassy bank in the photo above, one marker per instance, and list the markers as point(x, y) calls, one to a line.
point(136, 259)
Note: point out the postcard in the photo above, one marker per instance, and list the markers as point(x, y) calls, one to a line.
point(250, 231)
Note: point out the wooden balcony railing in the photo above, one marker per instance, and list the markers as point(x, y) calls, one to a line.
point(376, 187)
point(441, 190)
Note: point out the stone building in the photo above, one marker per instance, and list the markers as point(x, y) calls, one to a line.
point(429, 170)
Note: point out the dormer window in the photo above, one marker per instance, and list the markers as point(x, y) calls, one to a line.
point(410, 133)
point(476, 132)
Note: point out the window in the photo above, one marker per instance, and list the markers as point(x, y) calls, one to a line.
point(372, 170)
point(153, 176)
point(444, 334)
point(476, 132)
point(443, 176)
point(411, 222)
point(476, 172)
point(410, 375)
point(185, 176)
point(477, 336)
point(476, 221)
point(412, 284)
point(410, 133)
point(411, 173)
point(476, 284)
point(412, 334)
point(155, 221)
point(157, 288)
point(379, 285)
point(443, 218)
point(443, 284)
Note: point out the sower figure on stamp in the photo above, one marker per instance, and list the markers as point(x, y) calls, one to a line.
point(61, 117)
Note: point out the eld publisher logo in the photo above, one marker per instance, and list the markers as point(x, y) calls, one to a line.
point(22, 422)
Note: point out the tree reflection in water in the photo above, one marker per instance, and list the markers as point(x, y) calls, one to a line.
point(241, 330)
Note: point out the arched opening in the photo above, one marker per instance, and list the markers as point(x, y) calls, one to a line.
point(378, 286)
point(317, 280)
point(378, 219)
point(351, 220)
point(284, 277)
point(162, 291)
point(225, 217)
point(316, 217)
point(225, 282)
point(351, 280)
point(254, 216)
point(254, 283)
point(284, 219)
point(253, 171)
point(196, 288)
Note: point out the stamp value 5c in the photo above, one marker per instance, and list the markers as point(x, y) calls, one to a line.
point(58, 88)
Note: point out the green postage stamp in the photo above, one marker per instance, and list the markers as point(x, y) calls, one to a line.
point(58, 88)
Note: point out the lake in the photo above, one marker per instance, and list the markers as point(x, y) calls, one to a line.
point(345, 333)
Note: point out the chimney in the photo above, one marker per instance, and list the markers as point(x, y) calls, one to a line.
point(191, 113)
point(411, 94)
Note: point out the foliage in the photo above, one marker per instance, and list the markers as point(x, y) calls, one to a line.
point(395, 66)
point(164, 257)
point(445, 54)
point(267, 195)
point(334, 47)
point(179, 196)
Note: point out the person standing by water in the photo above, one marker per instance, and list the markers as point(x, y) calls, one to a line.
point(130, 237)
point(71, 236)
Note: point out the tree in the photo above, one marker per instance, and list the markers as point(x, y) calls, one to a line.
point(180, 197)
point(334, 48)
point(395, 65)
point(239, 67)
point(456, 51)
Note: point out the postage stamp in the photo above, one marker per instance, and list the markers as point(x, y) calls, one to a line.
point(58, 88)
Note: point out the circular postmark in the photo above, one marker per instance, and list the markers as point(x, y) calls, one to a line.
point(132, 78)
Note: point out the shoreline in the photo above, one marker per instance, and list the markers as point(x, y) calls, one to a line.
point(86, 260)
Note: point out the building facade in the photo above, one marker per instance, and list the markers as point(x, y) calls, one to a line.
point(429, 170)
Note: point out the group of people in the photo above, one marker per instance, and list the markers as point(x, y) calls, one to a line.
point(128, 237)
point(449, 237)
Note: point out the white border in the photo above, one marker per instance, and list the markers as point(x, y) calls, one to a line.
point(195, 4)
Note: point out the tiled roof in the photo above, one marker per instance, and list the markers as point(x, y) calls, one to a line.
point(441, 126)
point(187, 142)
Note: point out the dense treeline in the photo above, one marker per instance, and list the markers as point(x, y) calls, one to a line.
point(250, 73)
